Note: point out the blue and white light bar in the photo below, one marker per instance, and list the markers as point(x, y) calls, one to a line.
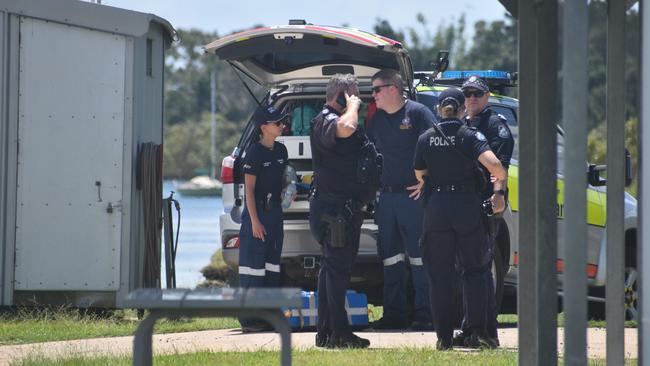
point(464, 74)
point(493, 77)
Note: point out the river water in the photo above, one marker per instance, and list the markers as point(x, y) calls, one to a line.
point(198, 235)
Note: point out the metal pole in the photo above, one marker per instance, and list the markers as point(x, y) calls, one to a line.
point(546, 195)
point(644, 196)
point(574, 106)
point(213, 125)
point(538, 45)
point(615, 312)
point(526, 305)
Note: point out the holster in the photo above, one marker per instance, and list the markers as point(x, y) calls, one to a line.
point(492, 226)
point(336, 225)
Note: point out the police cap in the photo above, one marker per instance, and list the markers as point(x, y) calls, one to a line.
point(475, 82)
point(267, 114)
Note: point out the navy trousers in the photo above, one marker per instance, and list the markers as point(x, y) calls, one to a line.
point(492, 324)
point(454, 229)
point(336, 266)
point(259, 261)
point(399, 219)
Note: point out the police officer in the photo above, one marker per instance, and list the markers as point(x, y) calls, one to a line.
point(453, 227)
point(335, 215)
point(395, 129)
point(495, 128)
point(261, 231)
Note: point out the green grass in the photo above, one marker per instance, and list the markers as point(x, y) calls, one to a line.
point(312, 357)
point(387, 357)
point(511, 320)
point(43, 325)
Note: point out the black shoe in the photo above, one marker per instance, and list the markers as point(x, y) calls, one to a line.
point(481, 341)
point(420, 325)
point(442, 345)
point(460, 339)
point(347, 341)
point(387, 323)
point(322, 339)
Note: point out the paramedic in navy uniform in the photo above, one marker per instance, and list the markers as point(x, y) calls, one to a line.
point(335, 151)
point(395, 129)
point(495, 129)
point(261, 232)
point(453, 218)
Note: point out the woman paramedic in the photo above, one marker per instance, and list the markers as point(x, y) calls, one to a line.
point(446, 155)
point(261, 231)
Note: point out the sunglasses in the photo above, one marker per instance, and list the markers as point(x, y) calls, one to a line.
point(473, 93)
point(377, 89)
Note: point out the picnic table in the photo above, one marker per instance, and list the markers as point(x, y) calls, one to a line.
point(262, 303)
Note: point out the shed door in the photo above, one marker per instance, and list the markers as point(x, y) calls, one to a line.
point(70, 152)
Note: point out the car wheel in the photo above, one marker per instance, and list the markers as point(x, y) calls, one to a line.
point(597, 309)
point(631, 294)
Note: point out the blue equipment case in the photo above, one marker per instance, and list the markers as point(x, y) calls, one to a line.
point(356, 305)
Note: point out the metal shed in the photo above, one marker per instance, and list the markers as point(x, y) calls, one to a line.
point(81, 98)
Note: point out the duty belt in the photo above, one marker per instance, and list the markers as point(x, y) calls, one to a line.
point(395, 188)
point(456, 188)
point(337, 200)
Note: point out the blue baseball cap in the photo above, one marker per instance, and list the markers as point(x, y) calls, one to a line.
point(267, 114)
point(451, 96)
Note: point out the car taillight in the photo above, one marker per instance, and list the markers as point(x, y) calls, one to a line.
point(228, 169)
point(232, 243)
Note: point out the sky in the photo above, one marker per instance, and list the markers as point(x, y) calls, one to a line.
point(225, 17)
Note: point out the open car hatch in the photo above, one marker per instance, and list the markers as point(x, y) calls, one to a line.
point(281, 55)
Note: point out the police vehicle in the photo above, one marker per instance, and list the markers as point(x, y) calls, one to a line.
point(294, 63)
point(506, 261)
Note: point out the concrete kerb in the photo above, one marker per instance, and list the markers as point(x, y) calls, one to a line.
point(234, 340)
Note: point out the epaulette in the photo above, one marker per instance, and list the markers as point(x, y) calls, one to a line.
point(466, 131)
point(499, 115)
point(330, 115)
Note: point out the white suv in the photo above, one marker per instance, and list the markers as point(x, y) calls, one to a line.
point(294, 63)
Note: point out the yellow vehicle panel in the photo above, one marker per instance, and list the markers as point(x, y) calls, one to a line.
point(596, 200)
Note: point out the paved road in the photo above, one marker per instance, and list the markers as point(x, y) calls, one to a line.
point(234, 340)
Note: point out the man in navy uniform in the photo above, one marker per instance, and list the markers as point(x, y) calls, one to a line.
point(395, 129)
point(335, 215)
point(495, 128)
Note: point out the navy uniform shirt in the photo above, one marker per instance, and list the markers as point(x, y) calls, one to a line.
point(395, 136)
point(268, 166)
point(495, 129)
point(335, 159)
point(445, 164)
